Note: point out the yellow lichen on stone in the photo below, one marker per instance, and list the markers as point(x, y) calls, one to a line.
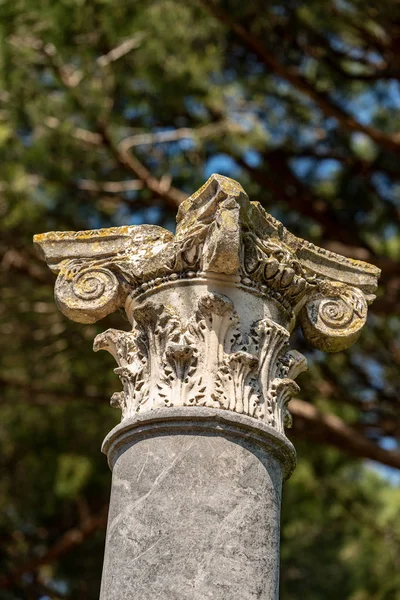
point(219, 231)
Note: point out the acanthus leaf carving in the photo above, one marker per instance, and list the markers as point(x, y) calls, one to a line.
point(132, 368)
point(272, 264)
point(206, 361)
point(237, 386)
point(188, 346)
point(280, 392)
point(293, 363)
point(177, 381)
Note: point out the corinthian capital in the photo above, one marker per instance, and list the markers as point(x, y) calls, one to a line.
point(212, 307)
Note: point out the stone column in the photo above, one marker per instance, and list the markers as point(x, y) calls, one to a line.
point(200, 455)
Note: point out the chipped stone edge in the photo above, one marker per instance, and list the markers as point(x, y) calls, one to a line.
point(198, 420)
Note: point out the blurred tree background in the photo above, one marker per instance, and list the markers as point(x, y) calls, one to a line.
point(111, 113)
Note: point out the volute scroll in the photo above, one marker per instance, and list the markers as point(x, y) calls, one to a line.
point(86, 292)
point(212, 307)
point(332, 319)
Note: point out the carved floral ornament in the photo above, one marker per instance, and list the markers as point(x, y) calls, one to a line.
point(212, 307)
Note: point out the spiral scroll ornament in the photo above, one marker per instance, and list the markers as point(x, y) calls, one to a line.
point(86, 293)
point(334, 321)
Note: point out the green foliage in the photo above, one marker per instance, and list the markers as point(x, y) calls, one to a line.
point(300, 102)
point(72, 474)
point(340, 532)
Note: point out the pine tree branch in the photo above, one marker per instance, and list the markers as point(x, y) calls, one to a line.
point(121, 50)
point(311, 424)
point(13, 259)
point(65, 543)
point(302, 200)
point(161, 188)
point(308, 422)
point(391, 142)
point(206, 131)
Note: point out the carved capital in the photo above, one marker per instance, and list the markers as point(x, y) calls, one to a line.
point(212, 307)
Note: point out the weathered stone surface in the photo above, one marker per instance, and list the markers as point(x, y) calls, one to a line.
point(218, 231)
point(191, 347)
point(195, 507)
point(208, 305)
point(207, 374)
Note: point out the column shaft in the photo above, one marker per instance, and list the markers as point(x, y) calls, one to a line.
point(195, 508)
